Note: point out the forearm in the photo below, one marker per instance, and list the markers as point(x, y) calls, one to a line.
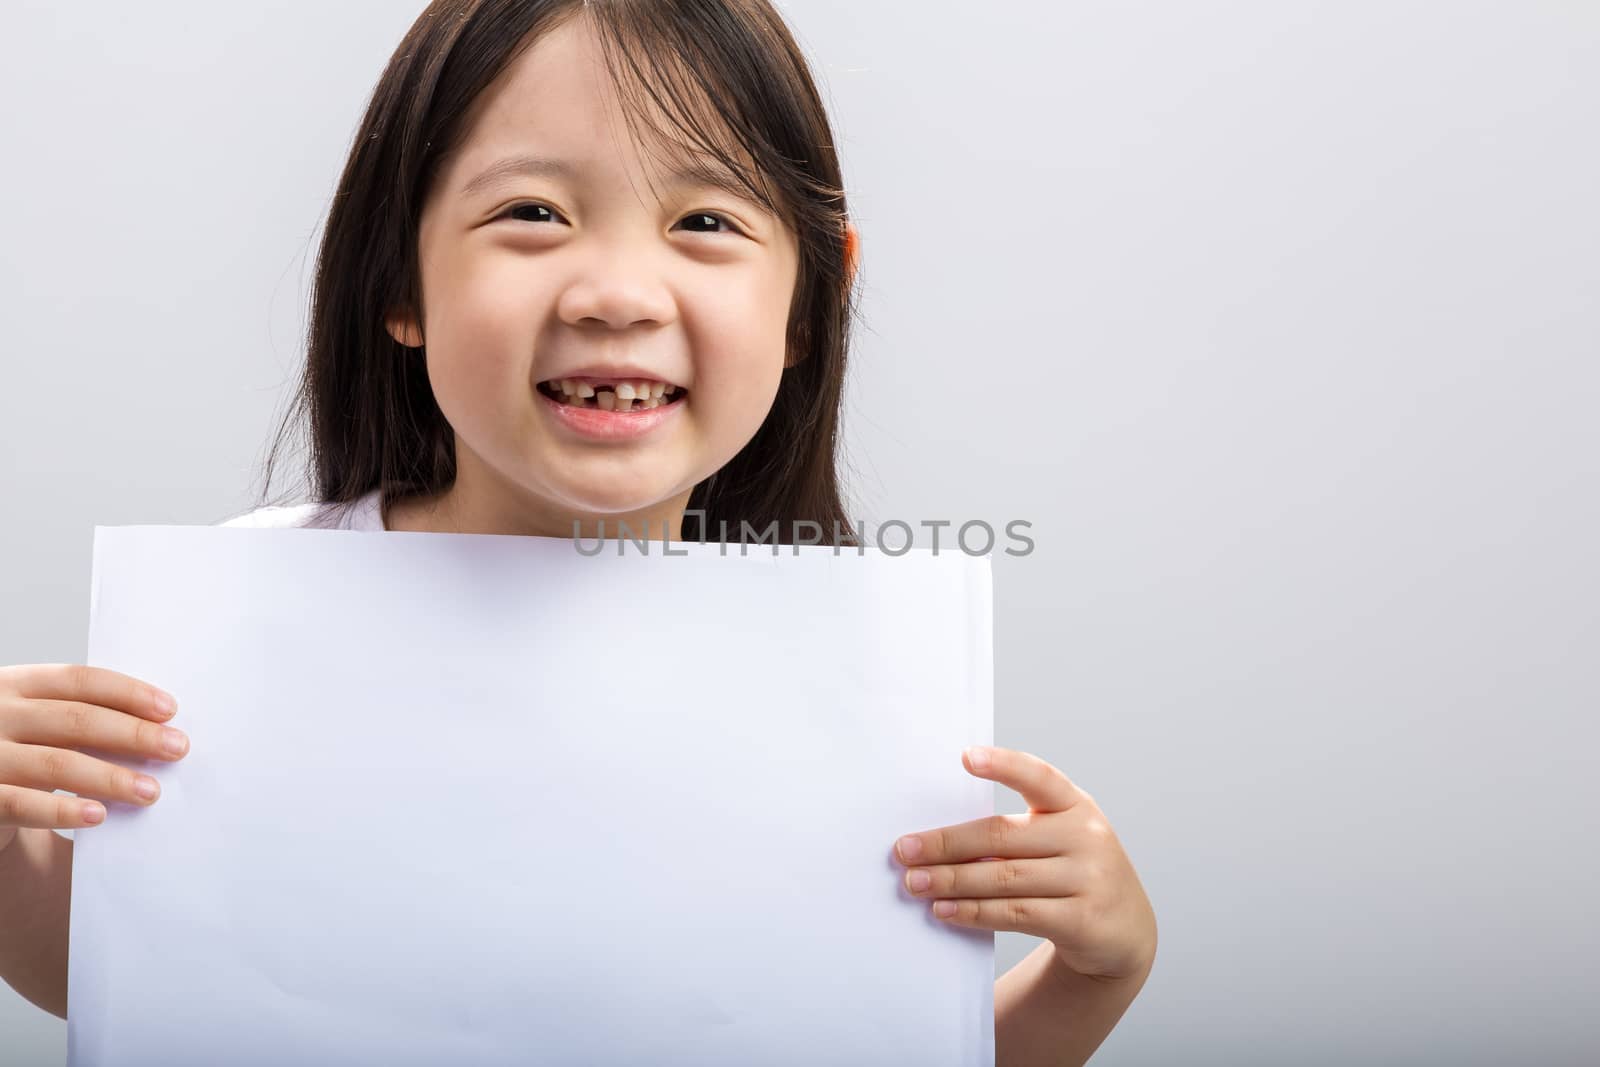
point(35, 903)
point(1045, 1015)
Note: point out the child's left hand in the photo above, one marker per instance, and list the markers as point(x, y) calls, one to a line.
point(1057, 872)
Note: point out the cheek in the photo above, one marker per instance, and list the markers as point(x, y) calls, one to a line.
point(741, 355)
point(477, 343)
point(740, 383)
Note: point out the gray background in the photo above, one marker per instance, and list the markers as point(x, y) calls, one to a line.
point(1278, 321)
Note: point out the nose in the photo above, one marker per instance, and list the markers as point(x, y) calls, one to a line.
point(618, 291)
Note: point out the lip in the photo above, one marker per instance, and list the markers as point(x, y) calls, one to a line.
point(597, 424)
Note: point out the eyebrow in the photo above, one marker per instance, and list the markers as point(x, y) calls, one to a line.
point(519, 166)
point(705, 174)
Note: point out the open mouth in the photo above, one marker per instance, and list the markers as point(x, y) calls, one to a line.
point(622, 394)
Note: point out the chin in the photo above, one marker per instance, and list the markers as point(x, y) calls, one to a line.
point(614, 505)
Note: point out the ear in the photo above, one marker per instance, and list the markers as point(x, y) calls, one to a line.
point(852, 253)
point(402, 326)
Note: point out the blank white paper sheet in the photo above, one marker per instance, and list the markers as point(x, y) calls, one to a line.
point(482, 799)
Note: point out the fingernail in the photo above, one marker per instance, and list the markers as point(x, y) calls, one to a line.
point(944, 908)
point(166, 702)
point(909, 847)
point(979, 757)
point(919, 880)
point(93, 813)
point(174, 741)
point(146, 787)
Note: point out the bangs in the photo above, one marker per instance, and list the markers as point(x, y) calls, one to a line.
point(677, 110)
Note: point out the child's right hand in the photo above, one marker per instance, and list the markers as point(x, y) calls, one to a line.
point(47, 712)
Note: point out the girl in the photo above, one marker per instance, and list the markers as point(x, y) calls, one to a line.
point(509, 336)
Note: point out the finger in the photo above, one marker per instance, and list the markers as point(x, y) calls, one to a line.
point(1012, 836)
point(1038, 916)
point(73, 724)
point(40, 767)
point(1043, 786)
point(94, 685)
point(35, 809)
point(1055, 877)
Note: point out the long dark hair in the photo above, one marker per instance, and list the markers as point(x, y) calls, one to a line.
point(717, 69)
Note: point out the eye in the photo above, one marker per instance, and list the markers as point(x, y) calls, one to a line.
point(703, 216)
point(514, 208)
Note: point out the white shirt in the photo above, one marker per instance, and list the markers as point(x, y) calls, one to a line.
point(362, 514)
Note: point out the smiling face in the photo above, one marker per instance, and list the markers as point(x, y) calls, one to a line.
point(603, 262)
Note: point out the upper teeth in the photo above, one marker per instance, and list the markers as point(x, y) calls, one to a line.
point(617, 396)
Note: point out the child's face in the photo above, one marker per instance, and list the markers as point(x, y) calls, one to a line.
point(539, 276)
